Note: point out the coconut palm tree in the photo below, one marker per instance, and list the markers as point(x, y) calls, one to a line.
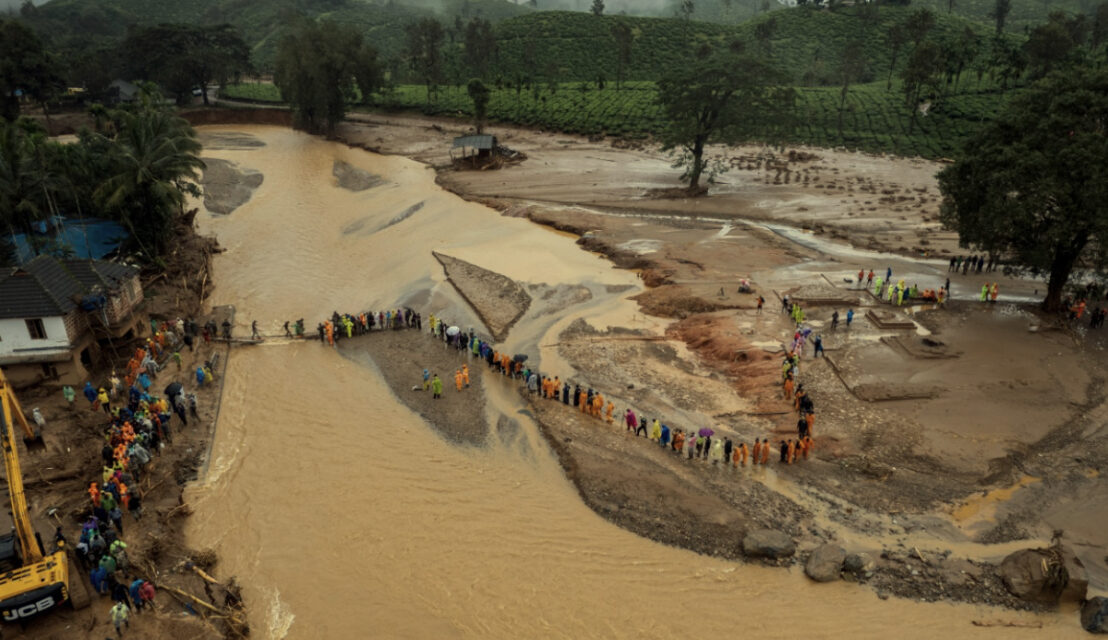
point(154, 165)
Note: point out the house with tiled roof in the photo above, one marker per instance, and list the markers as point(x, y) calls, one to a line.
point(59, 318)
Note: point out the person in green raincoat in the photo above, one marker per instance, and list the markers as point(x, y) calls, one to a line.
point(436, 387)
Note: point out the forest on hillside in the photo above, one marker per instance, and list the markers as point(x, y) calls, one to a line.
point(891, 76)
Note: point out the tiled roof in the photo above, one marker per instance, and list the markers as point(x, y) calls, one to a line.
point(46, 287)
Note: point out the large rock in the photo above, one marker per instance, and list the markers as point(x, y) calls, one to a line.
point(767, 543)
point(1094, 615)
point(826, 563)
point(1045, 575)
point(859, 564)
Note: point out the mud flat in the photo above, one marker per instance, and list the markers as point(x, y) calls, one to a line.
point(497, 299)
point(227, 186)
point(400, 357)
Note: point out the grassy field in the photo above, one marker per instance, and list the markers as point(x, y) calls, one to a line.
point(874, 119)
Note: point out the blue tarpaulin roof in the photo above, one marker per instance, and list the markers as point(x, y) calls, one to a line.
point(88, 238)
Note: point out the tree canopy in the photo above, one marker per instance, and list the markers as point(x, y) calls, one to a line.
point(320, 67)
point(25, 68)
point(180, 57)
point(136, 169)
point(1033, 184)
point(722, 96)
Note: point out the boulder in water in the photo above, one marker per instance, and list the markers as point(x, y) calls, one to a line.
point(826, 563)
point(1045, 575)
point(1094, 615)
point(767, 543)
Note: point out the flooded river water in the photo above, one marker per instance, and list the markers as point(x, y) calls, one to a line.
point(345, 516)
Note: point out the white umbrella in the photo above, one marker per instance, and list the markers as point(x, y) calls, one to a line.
point(453, 331)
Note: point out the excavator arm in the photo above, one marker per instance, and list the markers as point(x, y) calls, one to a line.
point(9, 407)
point(32, 581)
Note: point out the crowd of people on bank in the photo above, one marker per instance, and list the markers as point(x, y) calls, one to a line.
point(139, 426)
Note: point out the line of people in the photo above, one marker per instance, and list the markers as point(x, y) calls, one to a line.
point(694, 444)
point(332, 330)
point(899, 292)
point(973, 263)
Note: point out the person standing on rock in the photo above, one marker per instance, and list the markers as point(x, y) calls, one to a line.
point(849, 317)
point(436, 387)
point(757, 451)
point(458, 379)
point(835, 320)
point(727, 447)
point(765, 451)
point(761, 303)
point(611, 410)
point(819, 345)
point(533, 385)
point(784, 450)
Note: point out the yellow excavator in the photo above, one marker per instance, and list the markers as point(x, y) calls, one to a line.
point(31, 580)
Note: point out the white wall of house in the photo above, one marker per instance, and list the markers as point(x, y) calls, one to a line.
point(14, 335)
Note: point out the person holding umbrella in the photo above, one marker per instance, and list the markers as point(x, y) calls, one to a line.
point(706, 434)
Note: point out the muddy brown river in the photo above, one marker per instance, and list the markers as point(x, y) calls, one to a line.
point(345, 516)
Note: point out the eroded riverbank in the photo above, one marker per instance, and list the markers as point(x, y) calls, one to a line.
point(343, 512)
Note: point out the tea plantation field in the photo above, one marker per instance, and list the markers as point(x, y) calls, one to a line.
point(874, 119)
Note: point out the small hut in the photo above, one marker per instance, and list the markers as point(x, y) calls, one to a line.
point(480, 147)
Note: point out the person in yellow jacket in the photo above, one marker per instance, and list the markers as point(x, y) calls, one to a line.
point(656, 430)
point(465, 374)
point(105, 403)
